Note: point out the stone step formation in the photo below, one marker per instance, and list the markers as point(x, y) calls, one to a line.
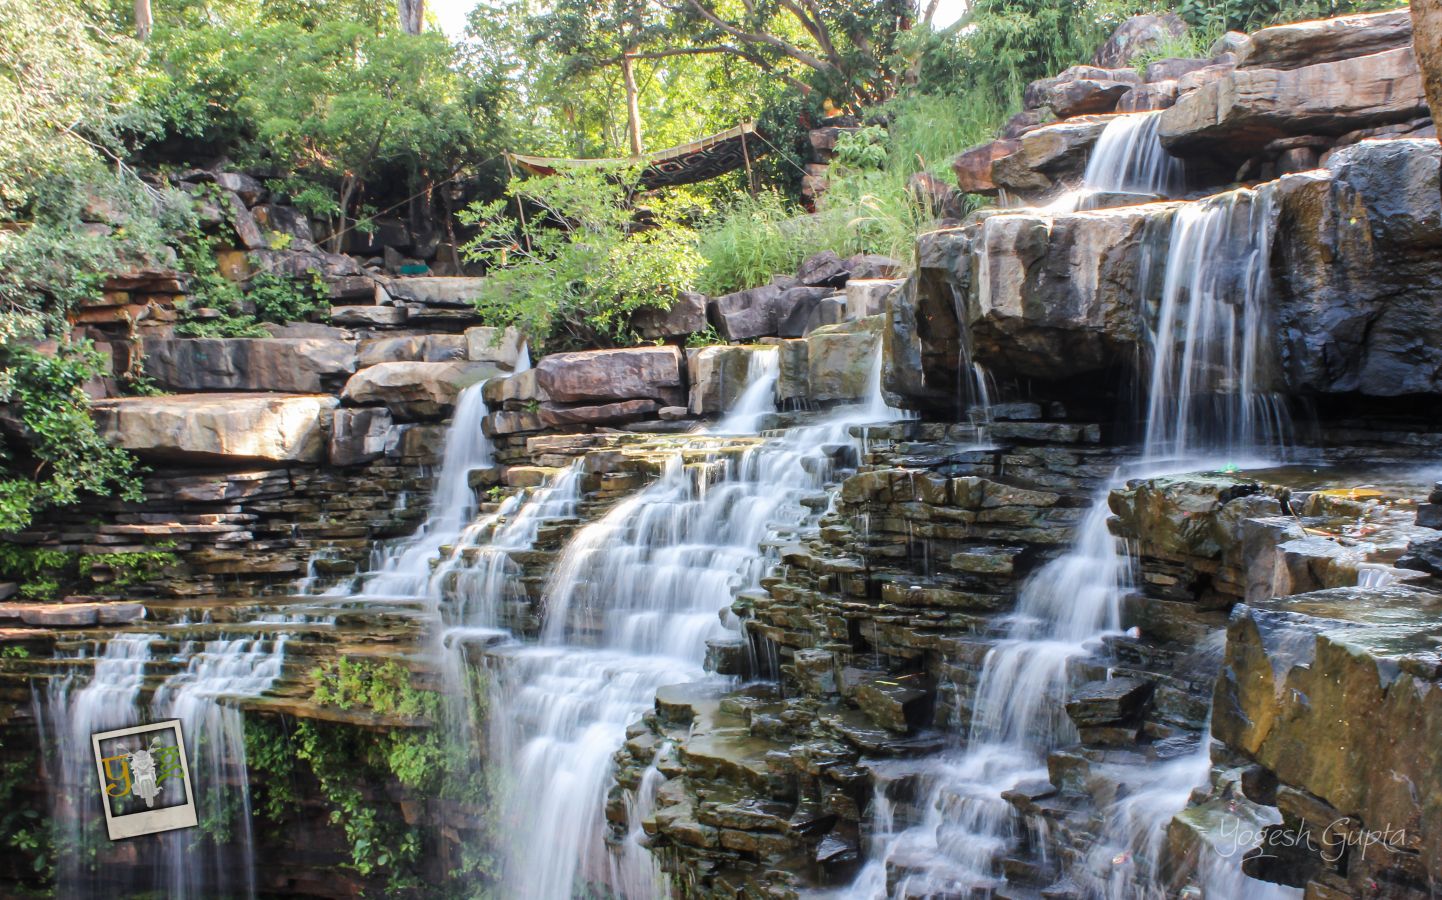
point(1094, 555)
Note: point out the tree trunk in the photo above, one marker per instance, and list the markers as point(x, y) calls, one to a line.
point(347, 191)
point(413, 15)
point(1427, 44)
point(143, 20)
point(633, 105)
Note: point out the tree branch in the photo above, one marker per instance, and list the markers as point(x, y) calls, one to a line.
point(752, 37)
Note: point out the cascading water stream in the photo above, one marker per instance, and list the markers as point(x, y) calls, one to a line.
point(1206, 395)
point(630, 608)
point(1129, 158)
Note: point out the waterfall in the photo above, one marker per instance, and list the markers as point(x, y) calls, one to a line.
point(69, 711)
point(1017, 716)
point(202, 697)
point(763, 367)
point(630, 608)
point(1129, 158)
point(1211, 391)
point(404, 567)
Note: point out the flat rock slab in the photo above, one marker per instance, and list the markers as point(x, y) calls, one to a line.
point(437, 290)
point(72, 615)
point(264, 428)
point(1242, 112)
point(284, 365)
point(1326, 40)
point(1108, 702)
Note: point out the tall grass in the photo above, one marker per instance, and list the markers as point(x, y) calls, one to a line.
point(863, 211)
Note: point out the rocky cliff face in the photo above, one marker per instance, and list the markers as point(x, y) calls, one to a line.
point(1061, 634)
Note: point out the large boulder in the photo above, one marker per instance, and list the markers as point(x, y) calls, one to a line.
point(1050, 157)
point(973, 167)
point(603, 376)
point(1337, 693)
point(286, 365)
point(414, 391)
point(358, 436)
point(499, 346)
point(555, 415)
point(303, 263)
point(1057, 295)
point(685, 316)
point(921, 328)
point(1240, 113)
point(796, 308)
point(1136, 36)
point(831, 365)
point(1357, 286)
point(519, 389)
point(745, 315)
point(1325, 40)
point(219, 428)
point(1083, 90)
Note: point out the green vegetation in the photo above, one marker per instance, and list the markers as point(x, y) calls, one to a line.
point(43, 574)
point(585, 258)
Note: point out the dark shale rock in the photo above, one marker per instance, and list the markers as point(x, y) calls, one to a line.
point(745, 315)
point(1108, 702)
point(685, 316)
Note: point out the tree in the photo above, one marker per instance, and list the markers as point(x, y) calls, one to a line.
point(845, 49)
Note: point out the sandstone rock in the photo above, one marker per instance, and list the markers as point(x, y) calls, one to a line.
point(519, 388)
point(824, 269)
point(1240, 113)
point(605, 375)
point(973, 167)
point(416, 348)
point(313, 330)
point(247, 230)
point(839, 360)
point(718, 376)
point(302, 263)
point(1427, 45)
point(1136, 36)
point(1172, 69)
point(437, 291)
point(249, 189)
point(205, 428)
point(1310, 684)
point(1049, 156)
point(279, 219)
point(685, 316)
point(368, 316)
point(286, 365)
point(898, 704)
point(865, 298)
point(1083, 96)
point(506, 422)
point(358, 436)
point(745, 315)
point(1326, 40)
point(499, 346)
point(1357, 298)
point(414, 391)
point(555, 415)
point(1148, 97)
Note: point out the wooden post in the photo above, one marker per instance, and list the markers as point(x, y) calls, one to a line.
point(143, 20)
point(633, 106)
point(746, 157)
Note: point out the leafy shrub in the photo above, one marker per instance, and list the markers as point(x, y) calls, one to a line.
point(584, 260)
